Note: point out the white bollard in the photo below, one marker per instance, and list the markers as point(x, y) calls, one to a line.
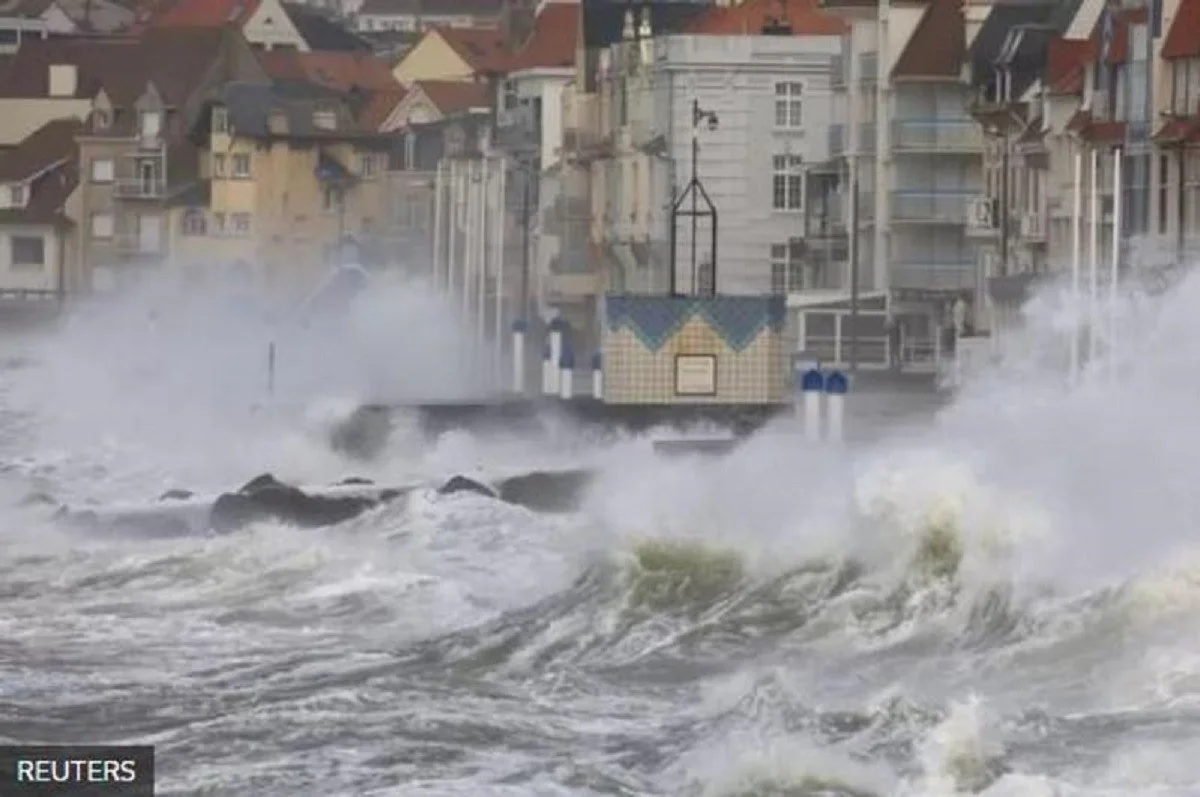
point(566, 375)
point(556, 350)
point(518, 356)
point(598, 376)
point(836, 386)
point(548, 372)
point(812, 385)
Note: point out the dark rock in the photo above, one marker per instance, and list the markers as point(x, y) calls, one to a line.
point(363, 435)
point(176, 495)
point(353, 480)
point(461, 484)
point(267, 498)
point(260, 481)
point(547, 491)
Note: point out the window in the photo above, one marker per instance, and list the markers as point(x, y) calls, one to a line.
point(220, 120)
point(510, 94)
point(219, 223)
point(16, 195)
point(366, 166)
point(332, 199)
point(325, 120)
point(193, 222)
point(241, 166)
point(1186, 87)
point(101, 119)
point(150, 124)
point(241, 223)
point(102, 226)
point(788, 105)
point(28, 251)
point(787, 267)
point(218, 165)
point(102, 170)
point(787, 189)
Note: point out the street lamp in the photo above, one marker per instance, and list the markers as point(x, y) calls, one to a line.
point(695, 191)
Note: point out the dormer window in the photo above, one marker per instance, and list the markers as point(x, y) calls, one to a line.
point(101, 119)
point(325, 120)
point(220, 120)
point(150, 124)
point(17, 195)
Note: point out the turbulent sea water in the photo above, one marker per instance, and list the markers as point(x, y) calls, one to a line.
point(1000, 598)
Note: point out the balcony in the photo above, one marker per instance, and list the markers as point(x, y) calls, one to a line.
point(938, 276)
point(937, 136)
point(932, 207)
point(138, 188)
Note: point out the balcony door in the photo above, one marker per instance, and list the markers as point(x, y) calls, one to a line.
point(149, 234)
point(147, 178)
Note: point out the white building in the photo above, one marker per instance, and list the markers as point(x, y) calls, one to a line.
point(750, 85)
point(911, 146)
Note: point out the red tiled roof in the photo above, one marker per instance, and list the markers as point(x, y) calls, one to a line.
point(553, 40)
point(1183, 39)
point(1178, 131)
point(454, 96)
point(202, 13)
point(379, 107)
point(1101, 131)
point(938, 46)
point(481, 48)
point(1066, 63)
point(339, 71)
point(806, 18)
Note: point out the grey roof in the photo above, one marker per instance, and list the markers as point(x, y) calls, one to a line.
point(251, 106)
point(102, 16)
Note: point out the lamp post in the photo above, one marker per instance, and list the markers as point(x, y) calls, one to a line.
point(695, 192)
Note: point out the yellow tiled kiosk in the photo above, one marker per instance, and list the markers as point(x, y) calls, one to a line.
point(695, 350)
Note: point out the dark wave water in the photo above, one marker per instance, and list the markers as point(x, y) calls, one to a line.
point(1000, 600)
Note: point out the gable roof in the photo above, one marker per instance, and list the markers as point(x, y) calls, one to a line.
point(805, 17)
point(174, 60)
point(322, 32)
point(47, 160)
point(455, 96)
point(25, 9)
point(1066, 65)
point(938, 45)
point(481, 48)
point(1183, 39)
point(102, 16)
point(338, 71)
point(50, 143)
point(377, 107)
point(553, 40)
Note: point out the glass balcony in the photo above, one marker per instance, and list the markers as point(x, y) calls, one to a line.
point(932, 207)
point(937, 136)
point(934, 276)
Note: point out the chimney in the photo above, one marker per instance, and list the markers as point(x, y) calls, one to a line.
point(63, 80)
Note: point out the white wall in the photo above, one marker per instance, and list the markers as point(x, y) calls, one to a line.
point(26, 277)
point(735, 77)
